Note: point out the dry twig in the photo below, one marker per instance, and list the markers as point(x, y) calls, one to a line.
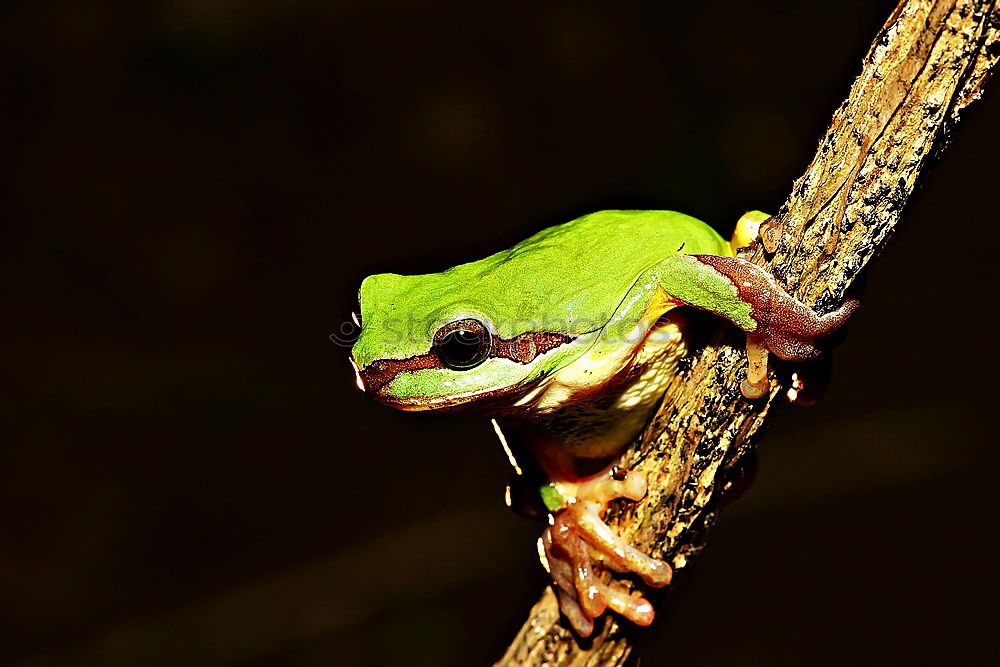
point(925, 66)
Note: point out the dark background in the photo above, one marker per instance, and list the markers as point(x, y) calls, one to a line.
point(193, 191)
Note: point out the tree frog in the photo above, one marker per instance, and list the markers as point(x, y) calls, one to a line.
point(569, 340)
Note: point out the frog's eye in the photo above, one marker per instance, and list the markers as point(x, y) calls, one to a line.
point(463, 344)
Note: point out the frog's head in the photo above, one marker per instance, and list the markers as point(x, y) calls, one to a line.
point(454, 339)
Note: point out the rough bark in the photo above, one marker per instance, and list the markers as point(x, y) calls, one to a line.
point(924, 67)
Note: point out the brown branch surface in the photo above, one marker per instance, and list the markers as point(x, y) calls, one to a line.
point(924, 67)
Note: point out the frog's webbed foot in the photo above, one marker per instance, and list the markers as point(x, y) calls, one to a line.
point(578, 546)
point(791, 331)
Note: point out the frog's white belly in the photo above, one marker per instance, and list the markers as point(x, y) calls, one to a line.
point(597, 404)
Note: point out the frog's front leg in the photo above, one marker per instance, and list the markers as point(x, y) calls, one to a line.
point(578, 546)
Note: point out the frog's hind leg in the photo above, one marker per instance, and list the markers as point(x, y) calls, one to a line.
point(750, 297)
point(782, 323)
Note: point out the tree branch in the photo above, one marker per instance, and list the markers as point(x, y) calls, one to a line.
point(924, 67)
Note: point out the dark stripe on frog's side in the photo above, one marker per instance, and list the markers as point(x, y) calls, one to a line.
point(786, 325)
point(523, 349)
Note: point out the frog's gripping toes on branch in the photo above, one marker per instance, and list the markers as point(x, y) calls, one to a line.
point(578, 537)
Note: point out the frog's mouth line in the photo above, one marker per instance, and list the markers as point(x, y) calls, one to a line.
point(522, 349)
point(425, 404)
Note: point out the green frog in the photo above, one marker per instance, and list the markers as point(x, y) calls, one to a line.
point(569, 340)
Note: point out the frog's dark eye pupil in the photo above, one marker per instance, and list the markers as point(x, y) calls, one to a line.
point(462, 345)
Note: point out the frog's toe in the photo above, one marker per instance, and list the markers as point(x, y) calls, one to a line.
point(582, 624)
point(578, 547)
point(753, 390)
point(632, 606)
point(577, 587)
point(612, 550)
point(576, 570)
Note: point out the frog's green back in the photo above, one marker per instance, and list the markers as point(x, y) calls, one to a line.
point(567, 278)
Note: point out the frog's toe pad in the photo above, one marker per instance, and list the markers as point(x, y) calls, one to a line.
point(752, 391)
point(632, 606)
